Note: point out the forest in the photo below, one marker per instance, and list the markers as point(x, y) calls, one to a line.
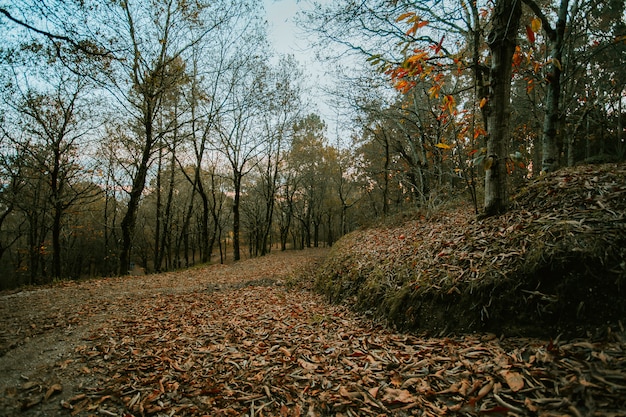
point(150, 136)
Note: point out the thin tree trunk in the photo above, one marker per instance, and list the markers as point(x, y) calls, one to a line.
point(130, 218)
point(157, 228)
point(56, 184)
point(166, 236)
point(236, 215)
point(269, 208)
point(556, 37)
point(620, 128)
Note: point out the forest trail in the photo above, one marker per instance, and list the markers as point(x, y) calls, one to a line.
point(251, 339)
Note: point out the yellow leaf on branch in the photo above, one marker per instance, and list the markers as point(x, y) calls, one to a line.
point(535, 24)
point(449, 103)
point(404, 16)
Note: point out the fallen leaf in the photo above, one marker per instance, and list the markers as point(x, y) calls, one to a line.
point(513, 379)
point(393, 395)
point(54, 389)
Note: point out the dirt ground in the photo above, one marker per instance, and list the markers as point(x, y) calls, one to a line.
point(252, 339)
point(41, 328)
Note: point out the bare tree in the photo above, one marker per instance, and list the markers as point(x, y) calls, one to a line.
point(55, 121)
point(240, 133)
point(284, 107)
point(214, 72)
point(158, 37)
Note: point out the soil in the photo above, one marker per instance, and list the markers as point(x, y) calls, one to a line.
point(252, 339)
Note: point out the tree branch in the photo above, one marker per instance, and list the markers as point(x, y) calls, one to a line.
point(84, 46)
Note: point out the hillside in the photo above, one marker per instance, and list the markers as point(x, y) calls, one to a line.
point(556, 263)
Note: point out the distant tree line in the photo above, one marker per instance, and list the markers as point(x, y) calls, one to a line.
point(157, 135)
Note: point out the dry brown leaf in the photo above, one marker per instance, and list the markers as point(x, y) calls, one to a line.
point(486, 389)
point(465, 387)
point(54, 389)
point(393, 395)
point(513, 379)
point(396, 379)
point(410, 382)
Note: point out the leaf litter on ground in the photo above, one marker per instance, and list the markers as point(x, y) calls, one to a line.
point(251, 339)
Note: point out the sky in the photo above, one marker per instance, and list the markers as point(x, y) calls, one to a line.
point(287, 38)
point(283, 30)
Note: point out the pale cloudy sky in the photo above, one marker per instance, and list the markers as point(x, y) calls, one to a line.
point(283, 31)
point(288, 39)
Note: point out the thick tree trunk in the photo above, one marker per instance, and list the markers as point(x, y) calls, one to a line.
point(502, 43)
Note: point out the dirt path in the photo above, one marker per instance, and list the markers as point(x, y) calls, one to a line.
point(248, 339)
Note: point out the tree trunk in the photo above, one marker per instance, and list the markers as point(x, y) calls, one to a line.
point(157, 227)
point(56, 181)
point(620, 128)
point(56, 242)
point(236, 215)
point(166, 236)
point(501, 42)
point(551, 146)
point(183, 238)
point(386, 173)
point(550, 139)
point(130, 218)
point(269, 207)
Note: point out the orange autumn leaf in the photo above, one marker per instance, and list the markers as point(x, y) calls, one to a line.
point(404, 16)
point(417, 57)
point(517, 57)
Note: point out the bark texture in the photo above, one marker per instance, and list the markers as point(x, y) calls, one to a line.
point(501, 41)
